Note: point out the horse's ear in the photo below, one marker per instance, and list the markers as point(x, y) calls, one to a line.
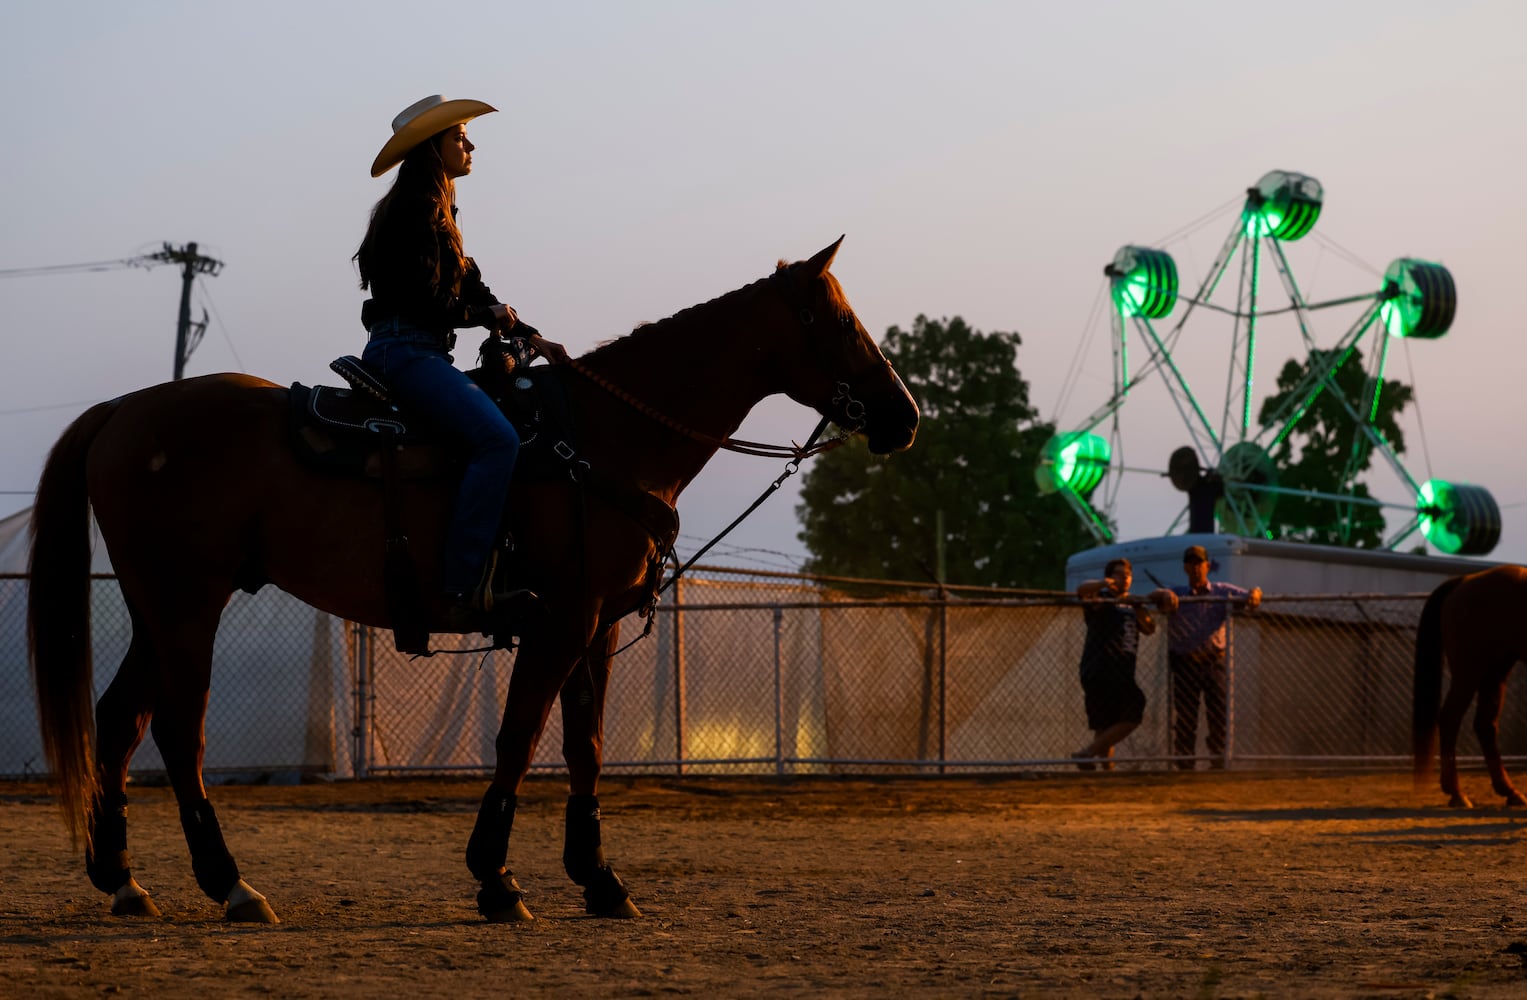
point(818, 265)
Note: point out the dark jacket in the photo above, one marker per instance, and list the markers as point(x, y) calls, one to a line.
point(401, 275)
point(1113, 636)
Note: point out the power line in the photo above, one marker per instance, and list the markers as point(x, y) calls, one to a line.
point(48, 406)
point(88, 266)
point(188, 334)
point(221, 325)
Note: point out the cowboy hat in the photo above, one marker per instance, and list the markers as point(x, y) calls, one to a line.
point(421, 120)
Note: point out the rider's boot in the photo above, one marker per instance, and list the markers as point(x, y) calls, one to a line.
point(494, 596)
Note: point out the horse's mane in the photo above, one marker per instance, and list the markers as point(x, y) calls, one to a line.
point(698, 314)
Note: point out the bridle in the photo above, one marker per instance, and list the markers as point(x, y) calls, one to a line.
point(843, 401)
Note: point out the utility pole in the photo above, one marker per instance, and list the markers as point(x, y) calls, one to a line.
point(191, 264)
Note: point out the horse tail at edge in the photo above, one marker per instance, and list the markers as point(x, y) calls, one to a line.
point(1427, 694)
point(58, 618)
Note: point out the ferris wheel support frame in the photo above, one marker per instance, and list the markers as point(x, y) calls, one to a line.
point(1417, 300)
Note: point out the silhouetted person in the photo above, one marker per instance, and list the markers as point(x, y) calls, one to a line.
point(1115, 704)
point(1202, 496)
point(1196, 657)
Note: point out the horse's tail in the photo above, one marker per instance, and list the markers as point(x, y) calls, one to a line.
point(58, 617)
point(1428, 684)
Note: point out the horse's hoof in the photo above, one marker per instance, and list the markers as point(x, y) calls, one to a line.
point(623, 910)
point(1459, 801)
point(502, 901)
point(133, 901)
point(245, 906)
point(606, 896)
point(514, 912)
point(1515, 799)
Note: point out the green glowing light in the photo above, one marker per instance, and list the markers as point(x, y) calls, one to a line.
point(1458, 518)
point(1143, 282)
point(1283, 205)
point(1421, 299)
point(1075, 462)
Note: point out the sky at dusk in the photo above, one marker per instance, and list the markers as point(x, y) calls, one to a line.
point(984, 160)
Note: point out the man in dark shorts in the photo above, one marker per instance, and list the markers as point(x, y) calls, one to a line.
point(1115, 704)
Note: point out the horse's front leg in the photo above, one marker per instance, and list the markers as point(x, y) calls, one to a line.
point(583, 748)
point(500, 900)
point(1487, 728)
point(539, 671)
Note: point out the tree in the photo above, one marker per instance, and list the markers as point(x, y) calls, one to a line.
point(1326, 452)
point(972, 467)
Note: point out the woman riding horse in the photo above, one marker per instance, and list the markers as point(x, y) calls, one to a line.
point(198, 492)
point(423, 287)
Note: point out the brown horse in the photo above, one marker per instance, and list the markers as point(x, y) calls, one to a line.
point(197, 494)
point(1477, 621)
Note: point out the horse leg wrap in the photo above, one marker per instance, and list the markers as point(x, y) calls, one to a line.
point(583, 857)
point(216, 871)
point(582, 849)
point(488, 847)
point(106, 859)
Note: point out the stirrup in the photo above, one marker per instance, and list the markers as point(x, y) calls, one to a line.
point(486, 599)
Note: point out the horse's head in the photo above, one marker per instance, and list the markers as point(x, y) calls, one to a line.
point(842, 374)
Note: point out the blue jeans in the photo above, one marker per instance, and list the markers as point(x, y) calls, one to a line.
point(421, 375)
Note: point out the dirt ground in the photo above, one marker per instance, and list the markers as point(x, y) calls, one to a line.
point(1109, 884)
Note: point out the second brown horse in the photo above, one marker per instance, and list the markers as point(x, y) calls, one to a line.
point(1479, 622)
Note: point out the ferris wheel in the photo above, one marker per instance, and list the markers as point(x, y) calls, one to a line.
point(1228, 471)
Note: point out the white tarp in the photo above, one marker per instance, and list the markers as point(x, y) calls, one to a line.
point(281, 687)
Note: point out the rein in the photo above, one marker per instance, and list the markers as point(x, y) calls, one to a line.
point(791, 467)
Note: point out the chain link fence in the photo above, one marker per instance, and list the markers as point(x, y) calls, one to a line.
point(763, 673)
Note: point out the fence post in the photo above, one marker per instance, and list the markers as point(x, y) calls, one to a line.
point(361, 734)
point(1163, 672)
point(679, 708)
point(779, 695)
point(1229, 691)
point(943, 677)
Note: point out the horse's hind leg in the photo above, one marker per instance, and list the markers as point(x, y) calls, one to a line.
point(583, 699)
point(1487, 728)
point(1449, 718)
point(122, 717)
point(185, 661)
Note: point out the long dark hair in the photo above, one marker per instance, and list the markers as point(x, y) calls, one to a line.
point(415, 216)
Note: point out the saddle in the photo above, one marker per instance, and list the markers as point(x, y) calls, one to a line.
point(360, 430)
point(355, 430)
